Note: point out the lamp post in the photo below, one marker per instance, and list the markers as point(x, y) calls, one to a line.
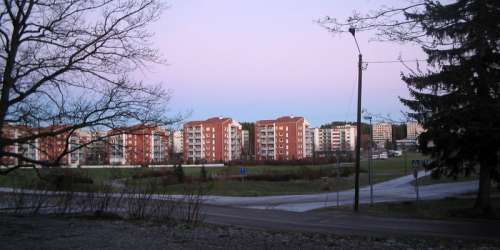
point(358, 124)
point(370, 168)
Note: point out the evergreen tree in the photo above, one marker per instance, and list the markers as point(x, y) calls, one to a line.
point(458, 103)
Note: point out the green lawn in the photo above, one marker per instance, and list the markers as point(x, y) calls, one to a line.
point(448, 208)
point(428, 180)
point(223, 184)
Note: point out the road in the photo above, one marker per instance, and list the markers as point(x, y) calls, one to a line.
point(348, 223)
point(399, 189)
point(395, 190)
point(268, 212)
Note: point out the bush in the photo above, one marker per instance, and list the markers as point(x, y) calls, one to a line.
point(203, 174)
point(153, 173)
point(179, 172)
point(345, 172)
point(67, 179)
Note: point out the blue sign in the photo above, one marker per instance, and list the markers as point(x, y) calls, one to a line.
point(243, 170)
point(418, 163)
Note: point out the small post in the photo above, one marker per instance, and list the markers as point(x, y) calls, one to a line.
point(405, 159)
point(415, 174)
point(337, 178)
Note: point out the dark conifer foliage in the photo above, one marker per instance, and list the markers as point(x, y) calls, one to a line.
point(458, 103)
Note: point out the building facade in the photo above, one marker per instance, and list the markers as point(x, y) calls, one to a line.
point(213, 140)
point(337, 138)
point(138, 145)
point(413, 130)
point(382, 132)
point(282, 139)
point(245, 138)
point(177, 142)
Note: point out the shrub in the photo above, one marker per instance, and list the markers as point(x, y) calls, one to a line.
point(203, 174)
point(67, 179)
point(345, 172)
point(153, 173)
point(179, 172)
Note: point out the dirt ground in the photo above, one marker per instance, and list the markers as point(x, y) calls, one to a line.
point(56, 232)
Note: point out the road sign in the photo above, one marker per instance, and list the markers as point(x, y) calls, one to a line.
point(243, 171)
point(419, 163)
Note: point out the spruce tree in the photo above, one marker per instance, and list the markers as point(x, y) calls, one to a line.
point(458, 102)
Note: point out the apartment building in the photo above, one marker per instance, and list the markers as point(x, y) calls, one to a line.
point(282, 139)
point(177, 141)
point(61, 149)
point(64, 148)
point(382, 132)
point(413, 130)
point(342, 137)
point(27, 149)
point(309, 142)
point(96, 152)
point(138, 145)
point(216, 139)
point(245, 138)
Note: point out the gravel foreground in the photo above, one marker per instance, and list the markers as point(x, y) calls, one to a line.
point(51, 232)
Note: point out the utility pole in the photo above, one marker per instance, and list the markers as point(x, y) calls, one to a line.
point(358, 136)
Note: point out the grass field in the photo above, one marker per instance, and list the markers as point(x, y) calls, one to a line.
point(383, 170)
point(428, 180)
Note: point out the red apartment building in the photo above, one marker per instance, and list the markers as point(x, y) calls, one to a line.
point(138, 145)
point(9, 131)
point(48, 148)
point(281, 139)
point(214, 140)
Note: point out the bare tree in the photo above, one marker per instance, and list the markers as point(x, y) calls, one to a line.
point(388, 22)
point(68, 63)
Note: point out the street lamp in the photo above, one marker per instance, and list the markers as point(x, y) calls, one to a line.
point(370, 168)
point(358, 124)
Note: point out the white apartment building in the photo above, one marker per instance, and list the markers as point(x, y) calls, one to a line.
point(341, 137)
point(245, 138)
point(309, 139)
point(177, 142)
point(382, 132)
point(413, 130)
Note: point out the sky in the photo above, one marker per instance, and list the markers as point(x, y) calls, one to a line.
point(261, 59)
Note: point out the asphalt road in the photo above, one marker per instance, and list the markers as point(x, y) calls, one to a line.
point(346, 223)
point(396, 190)
point(291, 213)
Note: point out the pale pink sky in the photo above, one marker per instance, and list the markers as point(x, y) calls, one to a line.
point(260, 59)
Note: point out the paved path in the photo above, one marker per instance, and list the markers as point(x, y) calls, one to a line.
point(399, 189)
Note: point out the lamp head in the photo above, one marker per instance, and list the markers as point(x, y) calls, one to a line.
point(352, 30)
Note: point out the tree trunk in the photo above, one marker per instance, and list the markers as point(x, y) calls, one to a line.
point(483, 203)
